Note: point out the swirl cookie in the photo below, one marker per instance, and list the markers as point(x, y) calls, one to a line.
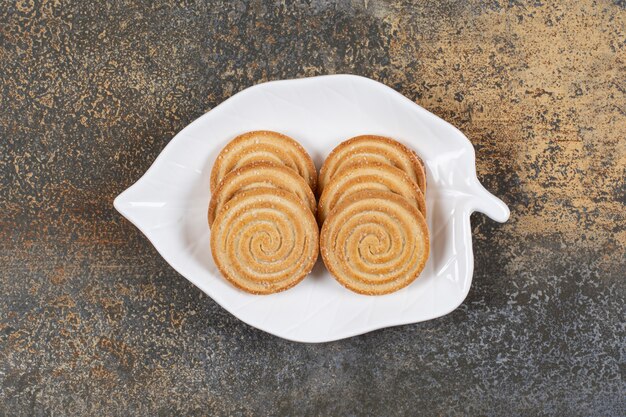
point(264, 240)
point(375, 242)
point(260, 174)
point(263, 146)
point(370, 148)
point(369, 176)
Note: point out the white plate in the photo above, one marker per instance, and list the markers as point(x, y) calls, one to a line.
point(169, 203)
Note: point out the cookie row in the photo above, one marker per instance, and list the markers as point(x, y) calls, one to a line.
point(374, 238)
point(264, 236)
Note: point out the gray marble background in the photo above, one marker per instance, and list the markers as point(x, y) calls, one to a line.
point(94, 322)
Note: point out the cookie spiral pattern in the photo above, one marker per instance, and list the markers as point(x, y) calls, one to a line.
point(260, 174)
point(263, 146)
point(375, 242)
point(369, 176)
point(370, 148)
point(265, 240)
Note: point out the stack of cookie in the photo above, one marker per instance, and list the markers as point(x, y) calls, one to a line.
point(264, 237)
point(374, 237)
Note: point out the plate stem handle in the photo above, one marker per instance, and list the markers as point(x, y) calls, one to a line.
point(485, 202)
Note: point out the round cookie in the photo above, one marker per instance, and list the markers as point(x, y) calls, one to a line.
point(265, 240)
point(368, 176)
point(260, 174)
point(263, 146)
point(370, 148)
point(375, 242)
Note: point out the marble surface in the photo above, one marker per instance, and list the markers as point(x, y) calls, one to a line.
point(93, 321)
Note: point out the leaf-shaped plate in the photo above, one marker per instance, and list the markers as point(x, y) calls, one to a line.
point(169, 203)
